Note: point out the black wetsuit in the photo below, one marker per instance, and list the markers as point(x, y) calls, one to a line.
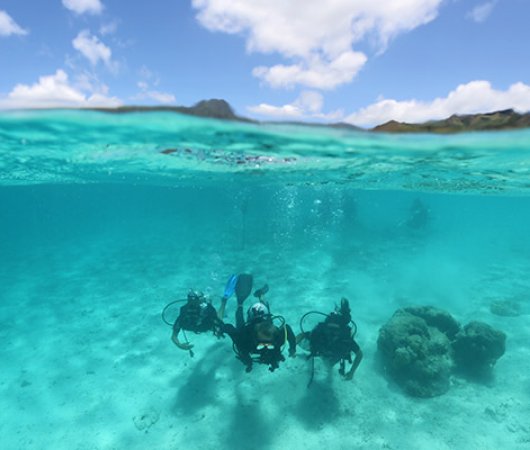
point(196, 318)
point(332, 339)
point(246, 343)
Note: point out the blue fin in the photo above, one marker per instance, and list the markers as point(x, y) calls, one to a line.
point(230, 286)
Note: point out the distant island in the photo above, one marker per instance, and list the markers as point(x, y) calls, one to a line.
point(214, 108)
point(499, 120)
point(221, 109)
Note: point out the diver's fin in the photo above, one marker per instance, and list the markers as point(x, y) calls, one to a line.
point(243, 287)
point(230, 286)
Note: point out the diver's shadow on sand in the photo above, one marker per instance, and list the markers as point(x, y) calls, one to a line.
point(320, 404)
point(249, 428)
point(199, 388)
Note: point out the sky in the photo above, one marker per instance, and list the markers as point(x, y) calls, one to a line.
point(363, 62)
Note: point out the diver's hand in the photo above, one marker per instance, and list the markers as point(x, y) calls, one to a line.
point(349, 375)
point(292, 353)
point(218, 333)
point(248, 369)
point(300, 337)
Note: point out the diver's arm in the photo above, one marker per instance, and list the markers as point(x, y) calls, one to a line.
point(358, 358)
point(300, 337)
point(229, 329)
point(175, 337)
point(291, 338)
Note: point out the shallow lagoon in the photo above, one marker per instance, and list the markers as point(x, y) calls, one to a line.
point(102, 226)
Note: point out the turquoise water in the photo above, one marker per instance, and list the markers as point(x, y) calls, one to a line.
point(105, 218)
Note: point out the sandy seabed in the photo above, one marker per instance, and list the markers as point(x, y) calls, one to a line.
point(87, 362)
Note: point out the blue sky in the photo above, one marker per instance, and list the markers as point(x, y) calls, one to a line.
point(361, 61)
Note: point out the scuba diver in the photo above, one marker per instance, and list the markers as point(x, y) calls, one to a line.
point(198, 315)
point(258, 339)
point(333, 340)
point(419, 215)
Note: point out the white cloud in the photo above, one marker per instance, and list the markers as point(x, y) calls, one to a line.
point(473, 97)
point(54, 91)
point(315, 73)
point(310, 101)
point(92, 48)
point(315, 36)
point(307, 106)
point(146, 93)
point(108, 28)
point(157, 96)
point(8, 26)
point(83, 6)
point(148, 79)
point(285, 111)
point(161, 97)
point(88, 82)
point(481, 12)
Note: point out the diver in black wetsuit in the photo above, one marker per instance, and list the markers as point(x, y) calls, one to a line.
point(419, 215)
point(258, 339)
point(333, 340)
point(197, 315)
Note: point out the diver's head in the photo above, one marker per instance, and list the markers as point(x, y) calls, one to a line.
point(196, 297)
point(343, 310)
point(257, 311)
point(344, 306)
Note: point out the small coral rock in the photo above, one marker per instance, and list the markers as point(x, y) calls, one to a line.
point(436, 318)
point(417, 355)
point(507, 308)
point(478, 347)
